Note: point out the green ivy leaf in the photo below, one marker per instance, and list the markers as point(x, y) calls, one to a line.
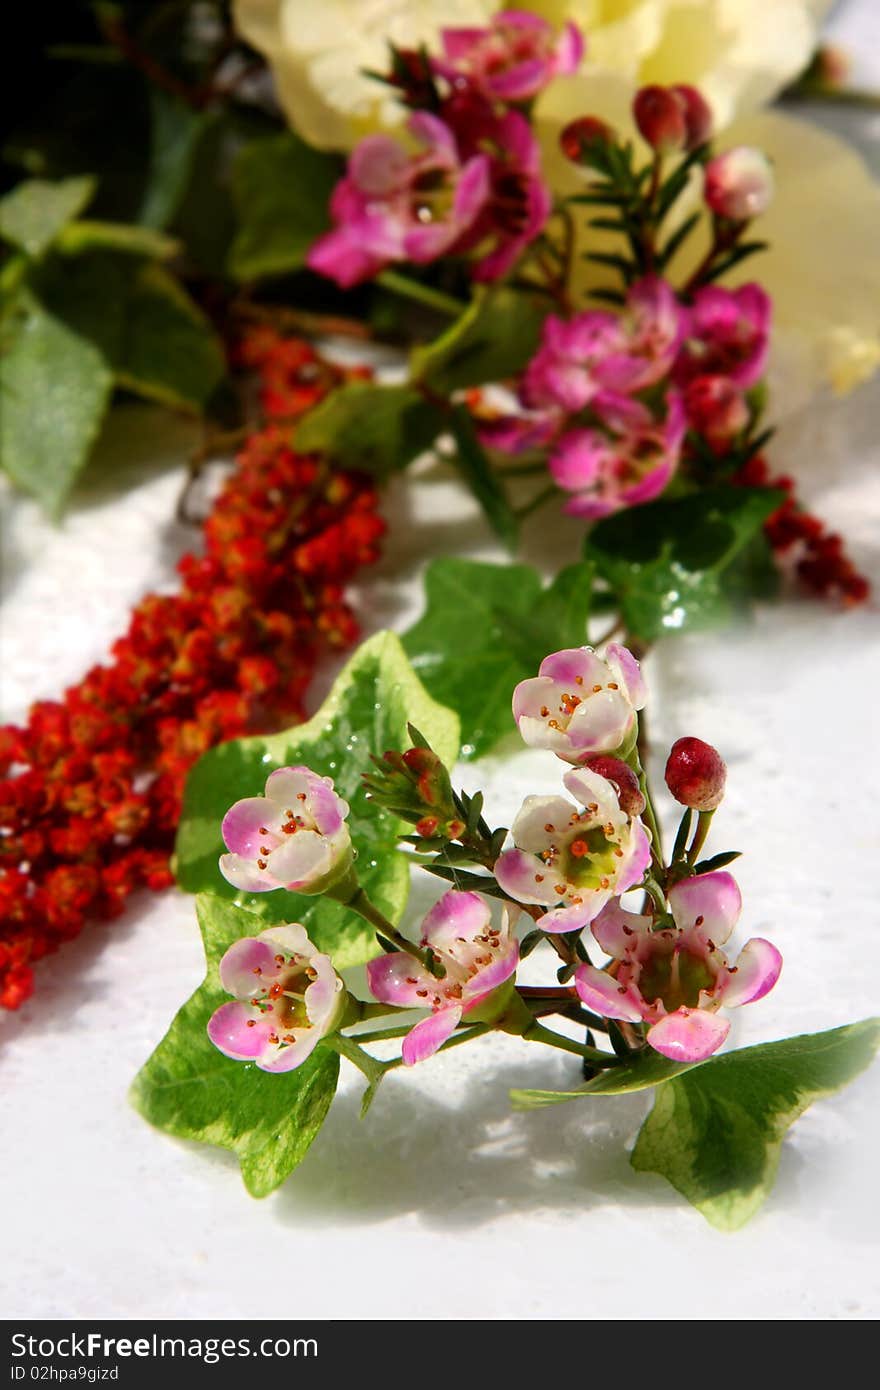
point(716, 1128)
point(34, 213)
point(192, 1091)
point(485, 628)
point(54, 390)
point(379, 429)
point(492, 340)
point(367, 712)
point(715, 1133)
point(170, 353)
point(79, 325)
point(281, 188)
point(670, 563)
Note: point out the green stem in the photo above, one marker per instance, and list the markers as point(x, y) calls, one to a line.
point(701, 834)
point(422, 294)
point(545, 495)
point(536, 1032)
point(361, 904)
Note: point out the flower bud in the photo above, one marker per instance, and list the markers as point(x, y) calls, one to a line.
point(739, 184)
point(660, 117)
point(697, 116)
point(415, 786)
point(622, 778)
point(696, 774)
point(716, 408)
point(582, 140)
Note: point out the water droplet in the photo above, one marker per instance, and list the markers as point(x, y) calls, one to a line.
point(467, 749)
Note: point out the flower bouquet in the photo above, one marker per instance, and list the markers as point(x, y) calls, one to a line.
point(532, 257)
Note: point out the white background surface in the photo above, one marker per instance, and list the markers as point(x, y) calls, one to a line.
point(443, 1203)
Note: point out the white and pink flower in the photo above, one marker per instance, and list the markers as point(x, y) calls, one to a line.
point(621, 465)
point(512, 58)
point(739, 184)
point(287, 997)
point(571, 860)
point(676, 978)
point(580, 703)
point(479, 960)
point(396, 206)
point(294, 837)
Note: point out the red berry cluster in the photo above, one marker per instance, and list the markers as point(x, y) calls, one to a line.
point(801, 540)
point(91, 785)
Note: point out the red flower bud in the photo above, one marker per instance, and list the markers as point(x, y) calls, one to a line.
point(715, 408)
point(622, 778)
point(696, 774)
point(660, 117)
point(697, 116)
point(582, 139)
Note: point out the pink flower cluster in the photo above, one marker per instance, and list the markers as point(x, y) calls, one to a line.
point(473, 185)
point(613, 395)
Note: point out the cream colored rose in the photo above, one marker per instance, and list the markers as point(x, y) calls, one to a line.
point(740, 52)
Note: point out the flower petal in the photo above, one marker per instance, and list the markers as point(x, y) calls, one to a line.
point(250, 825)
point(710, 904)
point(754, 975)
point(617, 931)
point(600, 992)
point(396, 979)
point(239, 1032)
point(491, 976)
point(287, 1058)
point(247, 967)
point(526, 879)
point(455, 914)
point(430, 1034)
point(628, 672)
point(688, 1035)
point(539, 819)
point(303, 858)
point(244, 874)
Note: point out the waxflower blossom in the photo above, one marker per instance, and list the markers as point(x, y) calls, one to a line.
point(727, 333)
point(294, 837)
point(675, 978)
point(512, 58)
point(739, 184)
point(287, 997)
point(518, 202)
point(478, 958)
point(594, 358)
point(608, 469)
point(573, 861)
point(394, 206)
point(580, 703)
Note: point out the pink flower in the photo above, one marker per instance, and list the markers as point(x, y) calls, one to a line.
point(519, 200)
point(571, 861)
point(287, 998)
point(675, 978)
point(294, 837)
point(580, 703)
point(595, 358)
point(512, 58)
point(394, 206)
point(477, 957)
point(608, 469)
point(739, 184)
point(726, 334)
point(716, 408)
